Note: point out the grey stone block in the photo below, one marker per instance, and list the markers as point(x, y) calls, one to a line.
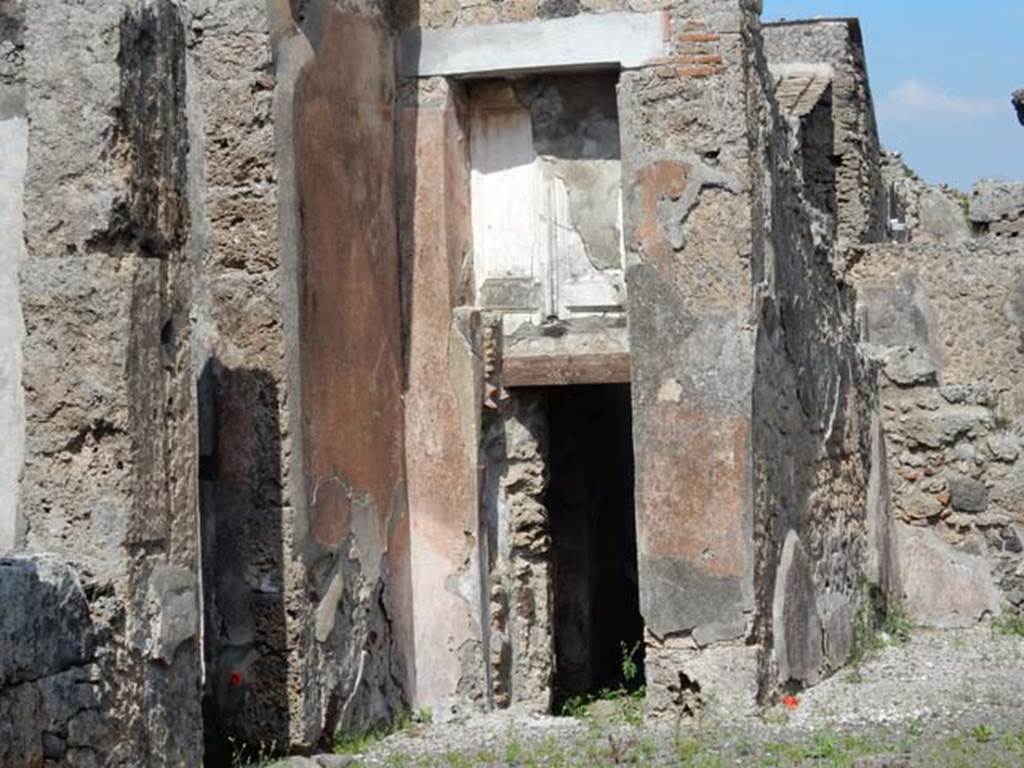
point(968, 495)
point(335, 761)
point(944, 587)
point(992, 201)
point(797, 625)
point(45, 626)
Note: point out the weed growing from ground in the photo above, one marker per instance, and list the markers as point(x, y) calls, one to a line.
point(629, 696)
point(873, 634)
point(243, 754)
point(1010, 624)
point(982, 733)
point(354, 743)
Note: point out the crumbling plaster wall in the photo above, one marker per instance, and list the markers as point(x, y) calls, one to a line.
point(754, 543)
point(13, 157)
point(355, 541)
point(689, 236)
point(299, 312)
point(171, 336)
point(860, 195)
point(311, 586)
point(110, 472)
point(443, 399)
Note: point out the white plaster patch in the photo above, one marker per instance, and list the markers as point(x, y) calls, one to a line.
point(524, 234)
point(328, 606)
point(671, 391)
point(13, 155)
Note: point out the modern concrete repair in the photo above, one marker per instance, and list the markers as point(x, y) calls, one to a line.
point(359, 357)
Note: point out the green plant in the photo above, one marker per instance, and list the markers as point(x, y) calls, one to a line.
point(897, 623)
point(687, 748)
point(243, 755)
point(1010, 623)
point(346, 743)
point(982, 733)
point(908, 171)
point(962, 200)
point(514, 751)
point(879, 623)
point(630, 668)
point(354, 743)
point(459, 760)
point(423, 715)
point(618, 749)
point(574, 706)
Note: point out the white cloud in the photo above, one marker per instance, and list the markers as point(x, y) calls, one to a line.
point(914, 100)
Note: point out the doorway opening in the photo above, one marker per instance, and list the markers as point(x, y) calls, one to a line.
point(598, 630)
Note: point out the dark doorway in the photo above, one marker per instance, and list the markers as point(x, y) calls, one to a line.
point(597, 621)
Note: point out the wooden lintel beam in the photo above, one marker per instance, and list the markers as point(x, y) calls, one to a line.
point(556, 370)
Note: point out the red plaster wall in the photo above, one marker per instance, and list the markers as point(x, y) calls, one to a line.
point(349, 316)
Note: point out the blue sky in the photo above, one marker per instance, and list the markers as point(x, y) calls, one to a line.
point(941, 72)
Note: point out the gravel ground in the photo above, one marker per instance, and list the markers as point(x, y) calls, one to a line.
point(953, 698)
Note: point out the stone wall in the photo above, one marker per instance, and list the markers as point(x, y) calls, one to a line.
point(919, 211)
point(164, 302)
point(520, 567)
point(247, 292)
point(110, 472)
point(855, 150)
point(821, 518)
point(297, 314)
point(944, 322)
point(51, 681)
point(13, 157)
point(244, 403)
point(997, 208)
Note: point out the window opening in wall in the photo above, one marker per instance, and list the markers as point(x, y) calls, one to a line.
point(597, 622)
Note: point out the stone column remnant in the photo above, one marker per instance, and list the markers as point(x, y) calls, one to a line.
point(109, 482)
point(687, 208)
